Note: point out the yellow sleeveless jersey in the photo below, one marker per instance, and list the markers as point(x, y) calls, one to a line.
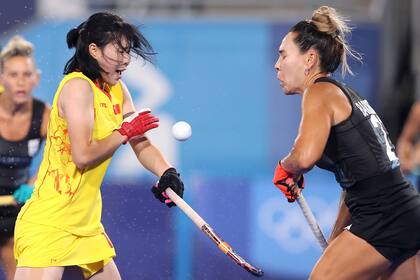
point(64, 196)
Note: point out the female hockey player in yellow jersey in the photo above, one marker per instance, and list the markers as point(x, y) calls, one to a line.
point(92, 115)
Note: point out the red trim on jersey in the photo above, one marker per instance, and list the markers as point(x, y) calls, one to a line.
point(104, 90)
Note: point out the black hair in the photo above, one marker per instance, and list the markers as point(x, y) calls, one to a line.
point(101, 29)
point(326, 32)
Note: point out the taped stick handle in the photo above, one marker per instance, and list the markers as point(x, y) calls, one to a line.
point(313, 224)
point(201, 224)
point(204, 227)
point(185, 208)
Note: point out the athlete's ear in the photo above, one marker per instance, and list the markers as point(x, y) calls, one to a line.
point(311, 58)
point(94, 50)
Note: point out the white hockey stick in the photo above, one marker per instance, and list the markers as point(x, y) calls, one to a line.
point(203, 226)
point(313, 224)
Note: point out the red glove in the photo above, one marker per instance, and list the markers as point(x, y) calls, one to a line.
point(137, 124)
point(287, 182)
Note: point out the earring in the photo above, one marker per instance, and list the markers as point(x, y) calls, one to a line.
point(306, 72)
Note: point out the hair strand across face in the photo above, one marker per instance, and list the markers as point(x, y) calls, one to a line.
point(102, 29)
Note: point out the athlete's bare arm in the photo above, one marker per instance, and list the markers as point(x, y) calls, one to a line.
point(313, 133)
point(147, 154)
point(323, 106)
point(75, 104)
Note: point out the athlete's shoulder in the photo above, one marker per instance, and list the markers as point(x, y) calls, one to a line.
point(319, 93)
point(76, 89)
point(76, 78)
point(324, 87)
point(77, 83)
point(328, 91)
point(76, 74)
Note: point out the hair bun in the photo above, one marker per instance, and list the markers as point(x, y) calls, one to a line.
point(327, 20)
point(323, 21)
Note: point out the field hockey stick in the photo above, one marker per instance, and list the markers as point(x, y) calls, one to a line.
point(6, 200)
point(310, 218)
point(201, 224)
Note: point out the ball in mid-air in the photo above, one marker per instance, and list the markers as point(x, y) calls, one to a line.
point(181, 130)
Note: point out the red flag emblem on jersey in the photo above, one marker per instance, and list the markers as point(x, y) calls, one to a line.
point(117, 109)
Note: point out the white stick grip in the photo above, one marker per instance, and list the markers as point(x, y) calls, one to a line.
point(310, 218)
point(185, 208)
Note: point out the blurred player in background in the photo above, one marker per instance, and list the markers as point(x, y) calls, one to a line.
point(408, 145)
point(340, 132)
point(92, 116)
point(23, 126)
point(1, 86)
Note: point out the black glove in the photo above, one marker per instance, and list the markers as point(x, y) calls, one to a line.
point(170, 178)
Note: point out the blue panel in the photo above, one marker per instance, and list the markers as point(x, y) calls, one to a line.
point(284, 111)
point(224, 204)
point(141, 229)
point(219, 74)
point(280, 234)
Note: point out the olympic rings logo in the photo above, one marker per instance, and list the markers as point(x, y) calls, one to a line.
point(284, 222)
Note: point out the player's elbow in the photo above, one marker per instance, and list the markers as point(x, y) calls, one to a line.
point(305, 166)
point(81, 161)
point(305, 162)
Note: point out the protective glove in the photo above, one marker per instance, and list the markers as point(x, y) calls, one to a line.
point(137, 124)
point(287, 182)
point(170, 178)
point(23, 193)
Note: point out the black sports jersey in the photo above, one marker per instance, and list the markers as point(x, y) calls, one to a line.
point(16, 156)
point(359, 147)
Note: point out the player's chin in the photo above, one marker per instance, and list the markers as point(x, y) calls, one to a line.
point(284, 87)
point(112, 81)
point(286, 90)
point(22, 99)
point(289, 92)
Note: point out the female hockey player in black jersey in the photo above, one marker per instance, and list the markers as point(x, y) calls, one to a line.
point(340, 132)
point(23, 126)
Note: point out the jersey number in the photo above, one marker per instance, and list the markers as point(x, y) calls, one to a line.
point(383, 138)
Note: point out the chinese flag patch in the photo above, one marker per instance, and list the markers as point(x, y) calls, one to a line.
point(117, 109)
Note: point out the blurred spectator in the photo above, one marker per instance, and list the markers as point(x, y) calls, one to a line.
point(400, 63)
point(23, 126)
point(408, 146)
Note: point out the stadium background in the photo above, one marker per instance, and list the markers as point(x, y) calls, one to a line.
point(215, 71)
